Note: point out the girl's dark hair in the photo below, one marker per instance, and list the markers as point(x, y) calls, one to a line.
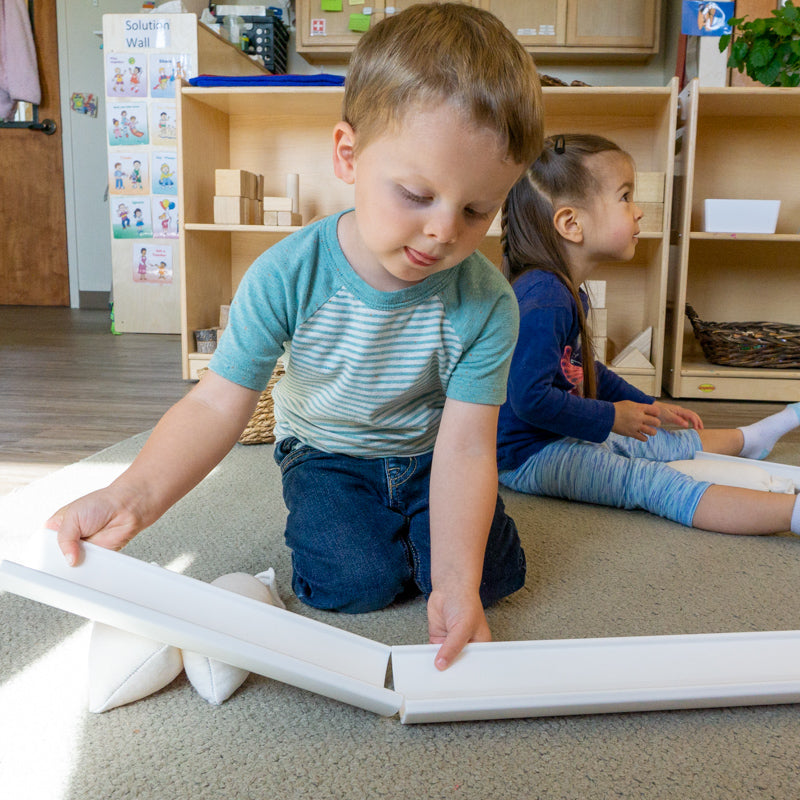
point(561, 176)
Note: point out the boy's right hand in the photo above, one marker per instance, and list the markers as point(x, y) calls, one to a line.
point(637, 420)
point(100, 517)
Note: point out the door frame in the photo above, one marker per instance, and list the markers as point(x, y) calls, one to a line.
point(66, 145)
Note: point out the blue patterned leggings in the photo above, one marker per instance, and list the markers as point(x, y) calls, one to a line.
point(620, 472)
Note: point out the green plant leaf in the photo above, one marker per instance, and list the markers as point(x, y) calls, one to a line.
point(761, 54)
point(724, 41)
point(768, 75)
point(782, 28)
point(758, 26)
point(790, 12)
point(739, 51)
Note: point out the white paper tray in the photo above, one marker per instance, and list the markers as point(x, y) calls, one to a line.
point(496, 680)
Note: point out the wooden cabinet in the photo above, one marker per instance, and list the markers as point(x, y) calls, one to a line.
point(278, 131)
point(556, 28)
point(536, 23)
point(738, 143)
point(622, 24)
point(327, 35)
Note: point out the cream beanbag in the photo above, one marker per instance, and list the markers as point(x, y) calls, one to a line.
point(733, 473)
point(214, 680)
point(124, 667)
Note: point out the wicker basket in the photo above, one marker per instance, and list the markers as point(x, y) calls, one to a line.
point(260, 429)
point(772, 345)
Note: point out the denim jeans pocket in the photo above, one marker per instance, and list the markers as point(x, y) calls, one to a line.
point(290, 451)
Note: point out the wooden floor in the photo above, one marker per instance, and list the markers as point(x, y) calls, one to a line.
point(69, 388)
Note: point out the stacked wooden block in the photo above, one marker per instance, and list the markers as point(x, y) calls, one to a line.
point(236, 197)
point(239, 200)
point(598, 318)
point(649, 196)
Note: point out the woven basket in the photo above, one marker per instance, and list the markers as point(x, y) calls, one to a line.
point(772, 345)
point(260, 429)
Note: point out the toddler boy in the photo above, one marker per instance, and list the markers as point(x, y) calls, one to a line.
point(398, 337)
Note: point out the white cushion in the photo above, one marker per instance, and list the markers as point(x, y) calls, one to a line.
point(733, 473)
point(124, 667)
point(214, 680)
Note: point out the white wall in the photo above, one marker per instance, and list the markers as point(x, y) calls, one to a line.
point(80, 58)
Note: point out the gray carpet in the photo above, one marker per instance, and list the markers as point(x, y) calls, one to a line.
point(592, 572)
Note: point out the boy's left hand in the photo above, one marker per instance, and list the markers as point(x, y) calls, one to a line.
point(676, 415)
point(454, 621)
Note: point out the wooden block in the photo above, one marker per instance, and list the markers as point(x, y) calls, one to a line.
point(276, 203)
point(653, 219)
point(231, 210)
point(255, 212)
point(598, 322)
point(649, 187)
point(496, 228)
point(600, 347)
point(286, 218)
point(597, 293)
point(235, 183)
point(270, 217)
point(259, 186)
point(293, 190)
point(224, 313)
point(632, 358)
point(637, 351)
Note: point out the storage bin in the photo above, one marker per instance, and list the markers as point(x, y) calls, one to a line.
point(741, 216)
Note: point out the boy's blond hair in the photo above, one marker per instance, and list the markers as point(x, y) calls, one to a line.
point(445, 52)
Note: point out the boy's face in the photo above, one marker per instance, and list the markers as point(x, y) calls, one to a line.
point(425, 195)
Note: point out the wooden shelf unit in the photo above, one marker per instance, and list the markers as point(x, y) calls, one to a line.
point(734, 142)
point(275, 131)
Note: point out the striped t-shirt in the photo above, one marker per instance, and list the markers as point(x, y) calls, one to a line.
point(367, 372)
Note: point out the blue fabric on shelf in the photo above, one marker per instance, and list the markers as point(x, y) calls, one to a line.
point(321, 79)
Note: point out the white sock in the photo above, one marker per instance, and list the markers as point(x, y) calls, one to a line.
point(795, 523)
point(760, 437)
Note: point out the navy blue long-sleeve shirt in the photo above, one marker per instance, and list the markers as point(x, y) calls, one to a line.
point(545, 386)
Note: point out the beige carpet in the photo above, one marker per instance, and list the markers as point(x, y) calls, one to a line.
point(592, 572)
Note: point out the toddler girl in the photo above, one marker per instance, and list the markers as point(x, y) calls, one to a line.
point(571, 427)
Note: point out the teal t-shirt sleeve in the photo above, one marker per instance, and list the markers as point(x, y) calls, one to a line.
point(257, 327)
point(283, 286)
point(486, 316)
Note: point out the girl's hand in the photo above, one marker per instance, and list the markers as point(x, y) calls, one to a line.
point(676, 415)
point(637, 420)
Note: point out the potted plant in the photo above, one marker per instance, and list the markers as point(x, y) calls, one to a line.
point(767, 49)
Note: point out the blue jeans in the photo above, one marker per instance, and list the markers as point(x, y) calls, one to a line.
point(359, 531)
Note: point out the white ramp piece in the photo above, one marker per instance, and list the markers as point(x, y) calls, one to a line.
point(154, 602)
point(503, 680)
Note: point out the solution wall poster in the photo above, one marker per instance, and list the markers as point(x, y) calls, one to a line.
point(146, 56)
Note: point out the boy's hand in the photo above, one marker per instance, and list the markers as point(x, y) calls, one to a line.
point(453, 621)
point(637, 420)
point(677, 415)
point(98, 517)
